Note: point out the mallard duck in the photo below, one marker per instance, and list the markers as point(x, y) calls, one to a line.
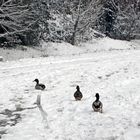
point(97, 104)
point(38, 85)
point(78, 95)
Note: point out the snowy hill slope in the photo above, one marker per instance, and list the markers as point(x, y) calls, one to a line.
point(113, 74)
point(65, 49)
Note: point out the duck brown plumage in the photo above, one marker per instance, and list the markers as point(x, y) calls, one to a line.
point(38, 85)
point(78, 95)
point(97, 104)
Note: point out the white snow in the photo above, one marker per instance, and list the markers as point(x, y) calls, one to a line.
point(112, 72)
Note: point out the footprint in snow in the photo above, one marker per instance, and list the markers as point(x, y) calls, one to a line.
point(60, 109)
point(26, 91)
point(99, 77)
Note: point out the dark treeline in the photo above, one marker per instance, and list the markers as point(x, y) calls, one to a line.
point(26, 22)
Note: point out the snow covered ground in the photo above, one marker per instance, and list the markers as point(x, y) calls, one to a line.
point(65, 49)
point(114, 73)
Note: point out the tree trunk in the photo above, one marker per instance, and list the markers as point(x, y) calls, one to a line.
point(76, 25)
point(74, 32)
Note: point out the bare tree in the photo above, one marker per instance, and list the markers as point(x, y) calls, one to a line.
point(22, 21)
point(76, 19)
point(82, 18)
point(120, 19)
point(127, 24)
point(11, 14)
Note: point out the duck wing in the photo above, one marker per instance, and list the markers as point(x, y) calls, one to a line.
point(78, 94)
point(40, 86)
point(97, 104)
